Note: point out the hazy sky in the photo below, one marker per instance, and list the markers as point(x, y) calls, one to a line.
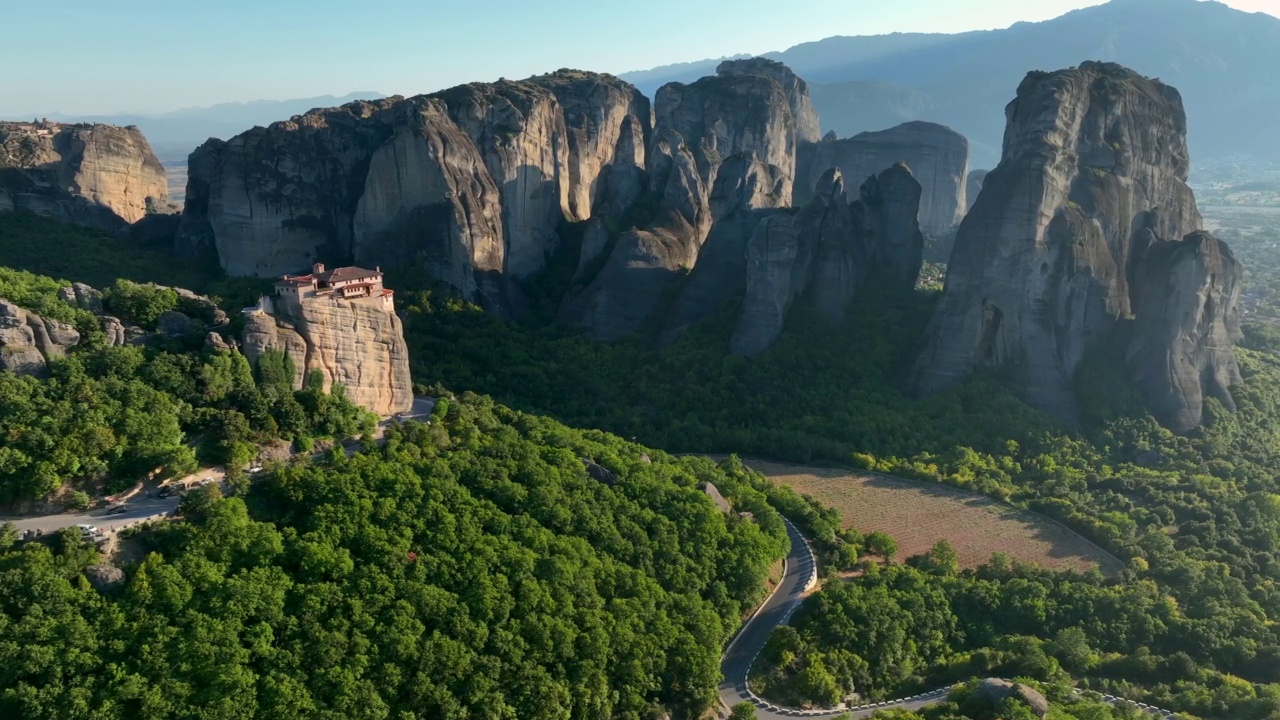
point(90, 57)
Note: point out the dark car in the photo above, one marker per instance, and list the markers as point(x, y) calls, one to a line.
point(117, 510)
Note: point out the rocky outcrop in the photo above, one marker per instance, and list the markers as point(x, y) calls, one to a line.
point(826, 251)
point(105, 577)
point(1187, 319)
point(519, 130)
point(973, 187)
point(470, 185)
point(638, 273)
point(724, 151)
point(1064, 248)
point(28, 341)
point(194, 235)
point(808, 127)
point(994, 692)
point(607, 124)
point(99, 175)
point(429, 201)
point(938, 157)
point(356, 344)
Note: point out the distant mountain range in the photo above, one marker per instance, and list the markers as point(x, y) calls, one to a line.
point(174, 134)
point(1226, 63)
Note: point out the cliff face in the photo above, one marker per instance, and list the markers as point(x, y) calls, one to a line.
point(974, 187)
point(808, 127)
point(99, 175)
point(356, 344)
point(724, 148)
point(1045, 265)
point(938, 157)
point(429, 201)
point(1187, 320)
point(28, 341)
point(470, 185)
point(607, 124)
point(827, 250)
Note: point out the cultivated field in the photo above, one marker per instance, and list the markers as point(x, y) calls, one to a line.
point(918, 515)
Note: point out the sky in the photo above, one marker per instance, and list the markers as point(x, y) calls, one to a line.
point(94, 57)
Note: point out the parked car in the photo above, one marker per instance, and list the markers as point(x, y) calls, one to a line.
point(88, 531)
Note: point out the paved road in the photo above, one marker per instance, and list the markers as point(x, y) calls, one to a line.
point(142, 507)
point(137, 509)
point(801, 569)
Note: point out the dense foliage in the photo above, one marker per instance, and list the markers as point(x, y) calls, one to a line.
point(468, 569)
point(122, 414)
point(965, 703)
point(1195, 517)
point(902, 629)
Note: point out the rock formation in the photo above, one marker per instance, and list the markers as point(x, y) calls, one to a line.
point(28, 341)
point(724, 148)
point(826, 250)
point(973, 187)
point(470, 184)
point(358, 344)
point(938, 157)
point(1075, 234)
point(607, 124)
point(99, 175)
point(808, 127)
point(995, 691)
point(1187, 319)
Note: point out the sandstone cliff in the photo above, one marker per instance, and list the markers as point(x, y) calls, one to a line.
point(938, 157)
point(99, 175)
point(827, 250)
point(470, 185)
point(724, 148)
point(357, 344)
point(1187, 320)
point(1050, 260)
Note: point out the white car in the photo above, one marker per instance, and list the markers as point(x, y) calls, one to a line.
point(88, 531)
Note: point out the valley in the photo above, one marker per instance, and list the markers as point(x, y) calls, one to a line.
point(567, 398)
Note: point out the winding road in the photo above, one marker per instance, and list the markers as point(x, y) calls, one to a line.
point(799, 576)
point(800, 573)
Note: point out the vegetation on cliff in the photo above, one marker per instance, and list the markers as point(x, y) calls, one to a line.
point(118, 415)
point(469, 568)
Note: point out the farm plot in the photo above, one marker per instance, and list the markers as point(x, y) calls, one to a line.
point(918, 515)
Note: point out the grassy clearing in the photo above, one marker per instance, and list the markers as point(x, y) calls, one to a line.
point(918, 515)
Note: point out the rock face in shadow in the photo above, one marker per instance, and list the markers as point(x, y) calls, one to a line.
point(469, 185)
point(99, 175)
point(723, 149)
point(973, 187)
point(826, 250)
point(808, 127)
point(356, 344)
point(1064, 246)
point(937, 155)
point(1186, 304)
point(430, 202)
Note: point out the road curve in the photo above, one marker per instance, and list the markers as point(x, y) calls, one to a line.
point(797, 578)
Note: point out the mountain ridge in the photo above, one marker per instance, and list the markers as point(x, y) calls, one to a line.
point(1223, 60)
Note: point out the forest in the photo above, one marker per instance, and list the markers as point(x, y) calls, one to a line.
point(109, 417)
point(469, 568)
point(1196, 518)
